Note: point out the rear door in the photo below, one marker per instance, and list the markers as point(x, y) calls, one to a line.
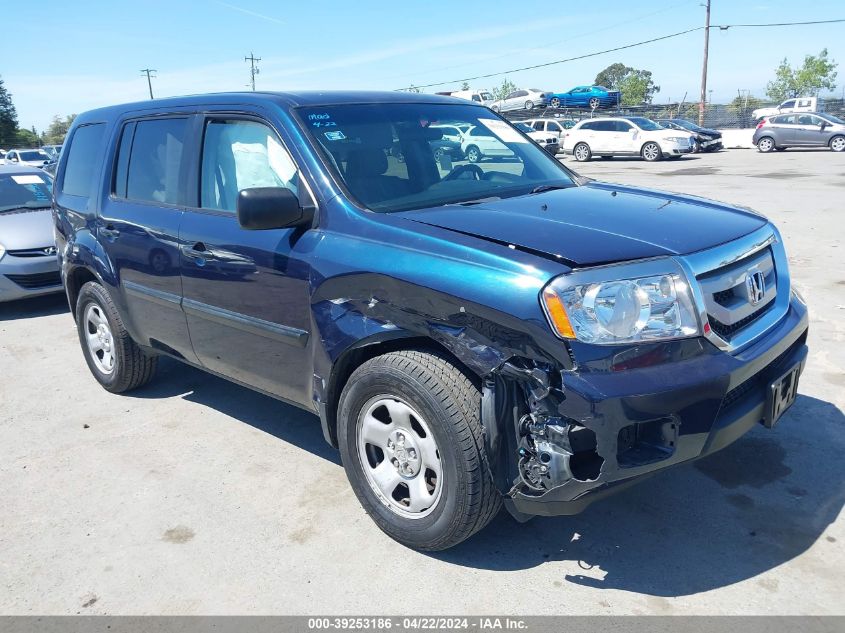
point(784, 129)
point(139, 228)
point(245, 293)
point(603, 137)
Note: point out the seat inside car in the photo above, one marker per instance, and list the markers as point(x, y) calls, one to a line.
point(365, 172)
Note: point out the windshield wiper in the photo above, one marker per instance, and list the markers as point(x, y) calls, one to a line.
point(547, 187)
point(23, 208)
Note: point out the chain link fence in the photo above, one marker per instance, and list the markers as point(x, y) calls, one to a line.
point(717, 116)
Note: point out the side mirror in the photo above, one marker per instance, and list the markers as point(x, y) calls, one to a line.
point(823, 124)
point(265, 208)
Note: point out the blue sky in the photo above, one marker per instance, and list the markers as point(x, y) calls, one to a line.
point(88, 53)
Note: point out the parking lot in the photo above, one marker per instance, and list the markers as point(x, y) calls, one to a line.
point(193, 495)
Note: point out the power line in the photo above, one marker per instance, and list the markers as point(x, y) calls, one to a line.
point(148, 72)
point(745, 26)
point(723, 27)
point(561, 61)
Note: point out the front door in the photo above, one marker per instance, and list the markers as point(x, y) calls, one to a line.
point(139, 228)
point(809, 131)
point(245, 293)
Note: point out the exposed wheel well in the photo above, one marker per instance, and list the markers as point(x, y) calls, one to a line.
point(75, 280)
point(352, 359)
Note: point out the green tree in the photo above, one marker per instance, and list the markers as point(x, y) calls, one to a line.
point(637, 86)
point(8, 118)
point(465, 85)
point(412, 88)
point(56, 132)
point(504, 90)
point(814, 75)
point(27, 138)
point(612, 76)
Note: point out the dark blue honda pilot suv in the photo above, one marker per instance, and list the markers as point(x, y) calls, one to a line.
point(471, 334)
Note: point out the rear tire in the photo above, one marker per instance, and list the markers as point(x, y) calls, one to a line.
point(582, 152)
point(837, 143)
point(529, 105)
point(554, 103)
point(427, 415)
point(766, 144)
point(114, 359)
point(594, 103)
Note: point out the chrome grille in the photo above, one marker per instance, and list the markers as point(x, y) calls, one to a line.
point(730, 307)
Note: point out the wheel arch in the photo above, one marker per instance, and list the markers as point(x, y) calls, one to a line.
point(371, 347)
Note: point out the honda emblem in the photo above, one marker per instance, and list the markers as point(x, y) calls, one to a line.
point(755, 286)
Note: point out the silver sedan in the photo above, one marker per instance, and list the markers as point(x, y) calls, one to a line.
point(28, 263)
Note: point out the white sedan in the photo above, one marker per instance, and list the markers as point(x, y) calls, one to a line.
point(27, 157)
point(625, 136)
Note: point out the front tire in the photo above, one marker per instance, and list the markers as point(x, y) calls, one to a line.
point(529, 105)
point(473, 154)
point(114, 359)
point(409, 429)
point(582, 152)
point(554, 103)
point(594, 103)
point(651, 152)
point(766, 144)
point(837, 143)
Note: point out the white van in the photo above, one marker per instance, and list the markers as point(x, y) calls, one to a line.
point(484, 97)
point(799, 104)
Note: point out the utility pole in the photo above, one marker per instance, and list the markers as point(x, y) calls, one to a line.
point(253, 68)
point(703, 99)
point(148, 72)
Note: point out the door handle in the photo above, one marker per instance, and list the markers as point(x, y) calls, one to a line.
point(197, 252)
point(109, 232)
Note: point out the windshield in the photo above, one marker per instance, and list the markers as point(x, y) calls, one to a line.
point(523, 127)
point(487, 96)
point(36, 155)
point(30, 191)
point(392, 156)
point(692, 127)
point(645, 124)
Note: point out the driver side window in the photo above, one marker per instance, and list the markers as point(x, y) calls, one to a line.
point(239, 154)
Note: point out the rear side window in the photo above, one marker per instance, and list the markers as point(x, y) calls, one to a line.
point(149, 160)
point(81, 160)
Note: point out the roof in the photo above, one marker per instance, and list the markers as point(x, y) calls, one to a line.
point(284, 99)
point(21, 169)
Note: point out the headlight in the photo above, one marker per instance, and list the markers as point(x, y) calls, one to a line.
point(678, 139)
point(2, 251)
point(645, 301)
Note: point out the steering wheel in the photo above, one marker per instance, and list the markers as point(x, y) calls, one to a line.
point(471, 168)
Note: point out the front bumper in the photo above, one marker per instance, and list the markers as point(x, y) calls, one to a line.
point(22, 277)
point(677, 150)
point(702, 404)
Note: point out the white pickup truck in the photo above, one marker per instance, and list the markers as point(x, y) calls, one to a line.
point(799, 104)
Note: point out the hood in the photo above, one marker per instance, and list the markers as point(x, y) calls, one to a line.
point(597, 223)
point(20, 230)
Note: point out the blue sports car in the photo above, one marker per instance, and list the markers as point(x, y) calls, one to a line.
point(593, 97)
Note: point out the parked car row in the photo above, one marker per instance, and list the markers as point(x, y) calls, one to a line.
point(592, 97)
point(626, 136)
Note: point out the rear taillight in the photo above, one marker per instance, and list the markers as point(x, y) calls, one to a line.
point(761, 124)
